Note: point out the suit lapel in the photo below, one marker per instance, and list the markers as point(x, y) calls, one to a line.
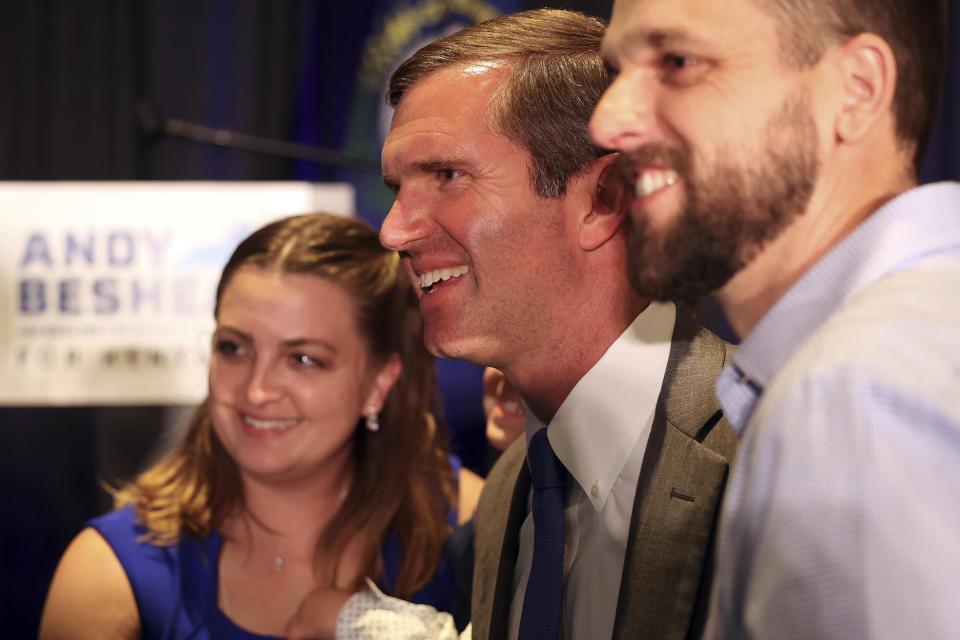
point(678, 493)
point(498, 540)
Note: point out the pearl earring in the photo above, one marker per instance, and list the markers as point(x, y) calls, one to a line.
point(372, 418)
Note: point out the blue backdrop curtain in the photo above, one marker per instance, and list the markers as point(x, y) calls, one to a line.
point(942, 161)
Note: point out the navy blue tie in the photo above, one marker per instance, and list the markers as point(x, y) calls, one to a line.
point(540, 617)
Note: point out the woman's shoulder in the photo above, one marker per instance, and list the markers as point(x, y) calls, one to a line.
point(90, 591)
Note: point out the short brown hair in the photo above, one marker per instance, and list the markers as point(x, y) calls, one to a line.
point(403, 480)
point(556, 79)
point(916, 31)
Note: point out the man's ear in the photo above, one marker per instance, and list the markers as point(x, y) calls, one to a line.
point(868, 71)
point(604, 214)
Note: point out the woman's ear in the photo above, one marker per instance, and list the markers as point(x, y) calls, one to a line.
point(608, 203)
point(386, 377)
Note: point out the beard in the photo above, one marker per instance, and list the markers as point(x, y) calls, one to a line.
point(729, 215)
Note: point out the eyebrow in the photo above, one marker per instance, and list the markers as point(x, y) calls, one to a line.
point(660, 38)
point(435, 163)
point(657, 39)
point(315, 342)
point(431, 164)
point(293, 342)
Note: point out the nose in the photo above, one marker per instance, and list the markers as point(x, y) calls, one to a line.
point(405, 224)
point(263, 387)
point(624, 118)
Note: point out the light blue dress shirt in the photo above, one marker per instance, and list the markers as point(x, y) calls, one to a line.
point(842, 518)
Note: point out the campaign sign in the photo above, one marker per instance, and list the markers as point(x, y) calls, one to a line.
point(107, 288)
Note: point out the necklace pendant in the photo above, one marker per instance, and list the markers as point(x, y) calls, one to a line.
point(278, 563)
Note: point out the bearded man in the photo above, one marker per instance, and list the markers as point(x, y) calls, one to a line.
point(772, 148)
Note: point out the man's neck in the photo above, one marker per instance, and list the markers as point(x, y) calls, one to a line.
point(545, 374)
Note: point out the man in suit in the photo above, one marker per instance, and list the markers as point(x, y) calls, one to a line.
point(518, 253)
point(772, 149)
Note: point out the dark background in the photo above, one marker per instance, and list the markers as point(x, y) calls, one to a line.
point(73, 75)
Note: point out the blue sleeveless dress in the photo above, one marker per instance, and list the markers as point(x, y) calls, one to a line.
point(176, 586)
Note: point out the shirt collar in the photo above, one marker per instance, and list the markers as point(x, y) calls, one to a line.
point(600, 422)
point(916, 223)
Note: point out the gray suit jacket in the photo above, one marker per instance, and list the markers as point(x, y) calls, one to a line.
point(664, 591)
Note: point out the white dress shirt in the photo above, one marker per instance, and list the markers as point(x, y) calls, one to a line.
point(600, 434)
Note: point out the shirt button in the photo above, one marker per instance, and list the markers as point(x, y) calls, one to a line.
point(595, 490)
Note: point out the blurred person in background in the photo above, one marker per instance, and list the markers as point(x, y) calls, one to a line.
point(315, 462)
point(504, 409)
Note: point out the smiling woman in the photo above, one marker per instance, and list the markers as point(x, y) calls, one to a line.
point(314, 463)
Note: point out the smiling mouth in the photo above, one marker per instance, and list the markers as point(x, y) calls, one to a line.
point(429, 281)
point(268, 425)
point(650, 181)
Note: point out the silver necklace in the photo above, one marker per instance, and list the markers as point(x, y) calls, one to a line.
point(279, 562)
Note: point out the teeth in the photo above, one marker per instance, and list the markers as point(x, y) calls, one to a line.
point(428, 279)
point(269, 424)
point(652, 180)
